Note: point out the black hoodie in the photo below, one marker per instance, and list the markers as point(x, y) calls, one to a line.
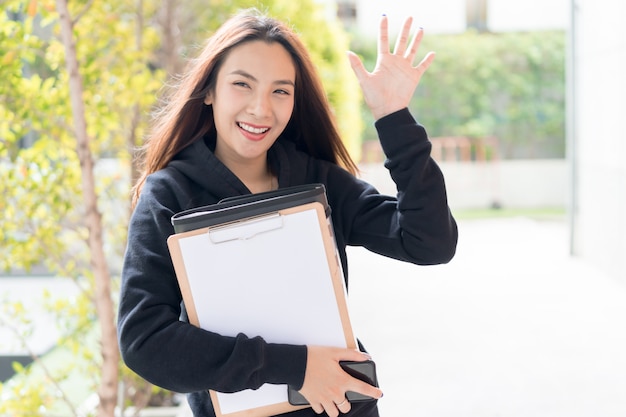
point(416, 226)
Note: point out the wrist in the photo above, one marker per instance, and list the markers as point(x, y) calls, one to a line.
point(392, 118)
point(382, 112)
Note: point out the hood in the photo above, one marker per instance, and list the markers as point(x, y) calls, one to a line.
point(198, 163)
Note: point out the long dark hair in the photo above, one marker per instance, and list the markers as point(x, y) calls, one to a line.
point(185, 118)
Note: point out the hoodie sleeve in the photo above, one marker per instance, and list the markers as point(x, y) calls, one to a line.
point(171, 353)
point(415, 226)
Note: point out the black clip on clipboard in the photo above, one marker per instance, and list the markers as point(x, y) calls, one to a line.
point(248, 206)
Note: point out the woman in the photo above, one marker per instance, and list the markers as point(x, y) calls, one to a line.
point(251, 116)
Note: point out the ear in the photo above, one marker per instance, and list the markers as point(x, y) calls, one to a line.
point(208, 100)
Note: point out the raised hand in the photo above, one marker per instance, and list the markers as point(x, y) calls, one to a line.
point(391, 85)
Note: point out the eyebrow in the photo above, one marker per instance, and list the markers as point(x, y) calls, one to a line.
point(253, 78)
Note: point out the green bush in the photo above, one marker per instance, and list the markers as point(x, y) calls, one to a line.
point(510, 86)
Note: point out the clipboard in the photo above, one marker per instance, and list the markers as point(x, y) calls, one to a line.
point(263, 265)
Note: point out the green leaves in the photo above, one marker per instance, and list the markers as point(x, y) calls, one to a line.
point(508, 85)
point(40, 177)
point(120, 63)
point(40, 193)
point(40, 185)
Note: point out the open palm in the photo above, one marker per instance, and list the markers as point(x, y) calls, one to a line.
point(390, 86)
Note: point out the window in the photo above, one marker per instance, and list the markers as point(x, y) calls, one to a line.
point(346, 11)
point(476, 15)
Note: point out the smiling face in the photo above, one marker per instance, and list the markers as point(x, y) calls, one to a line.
point(252, 101)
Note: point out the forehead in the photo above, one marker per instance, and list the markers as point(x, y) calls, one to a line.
point(263, 60)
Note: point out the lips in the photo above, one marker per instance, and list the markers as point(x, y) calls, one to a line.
point(253, 132)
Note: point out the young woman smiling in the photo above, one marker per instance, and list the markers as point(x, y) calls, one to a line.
point(250, 115)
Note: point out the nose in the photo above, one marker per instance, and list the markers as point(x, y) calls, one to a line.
point(260, 105)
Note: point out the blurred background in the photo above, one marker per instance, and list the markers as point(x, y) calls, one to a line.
point(524, 106)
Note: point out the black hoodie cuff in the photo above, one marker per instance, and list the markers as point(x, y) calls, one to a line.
point(286, 364)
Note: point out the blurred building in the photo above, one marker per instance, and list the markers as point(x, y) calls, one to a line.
point(455, 16)
point(596, 134)
point(596, 177)
point(32, 331)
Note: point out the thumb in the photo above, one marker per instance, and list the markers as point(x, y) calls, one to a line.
point(354, 355)
point(357, 65)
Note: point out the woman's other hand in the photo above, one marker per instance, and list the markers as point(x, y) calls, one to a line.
point(326, 383)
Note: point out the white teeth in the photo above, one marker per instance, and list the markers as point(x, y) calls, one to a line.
point(254, 130)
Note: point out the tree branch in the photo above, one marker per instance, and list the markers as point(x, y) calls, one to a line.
point(37, 359)
point(82, 12)
point(107, 391)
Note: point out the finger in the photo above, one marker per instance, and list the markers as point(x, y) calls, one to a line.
point(344, 406)
point(357, 66)
point(317, 408)
point(364, 388)
point(415, 44)
point(426, 62)
point(355, 355)
point(331, 409)
point(404, 36)
point(383, 36)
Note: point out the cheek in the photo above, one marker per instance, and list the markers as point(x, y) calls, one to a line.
point(223, 109)
point(286, 110)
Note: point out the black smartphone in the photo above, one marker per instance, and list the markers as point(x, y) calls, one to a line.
point(365, 371)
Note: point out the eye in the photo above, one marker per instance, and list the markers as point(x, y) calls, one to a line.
point(241, 84)
point(282, 92)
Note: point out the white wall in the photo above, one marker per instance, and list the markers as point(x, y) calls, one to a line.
point(434, 16)
point(528, 15)
point(512, 184)
point(448, 16)
point(597, 135)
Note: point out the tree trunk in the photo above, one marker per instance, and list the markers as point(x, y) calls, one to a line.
point(170, 36)
point(134, 141)
point(107, 391)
